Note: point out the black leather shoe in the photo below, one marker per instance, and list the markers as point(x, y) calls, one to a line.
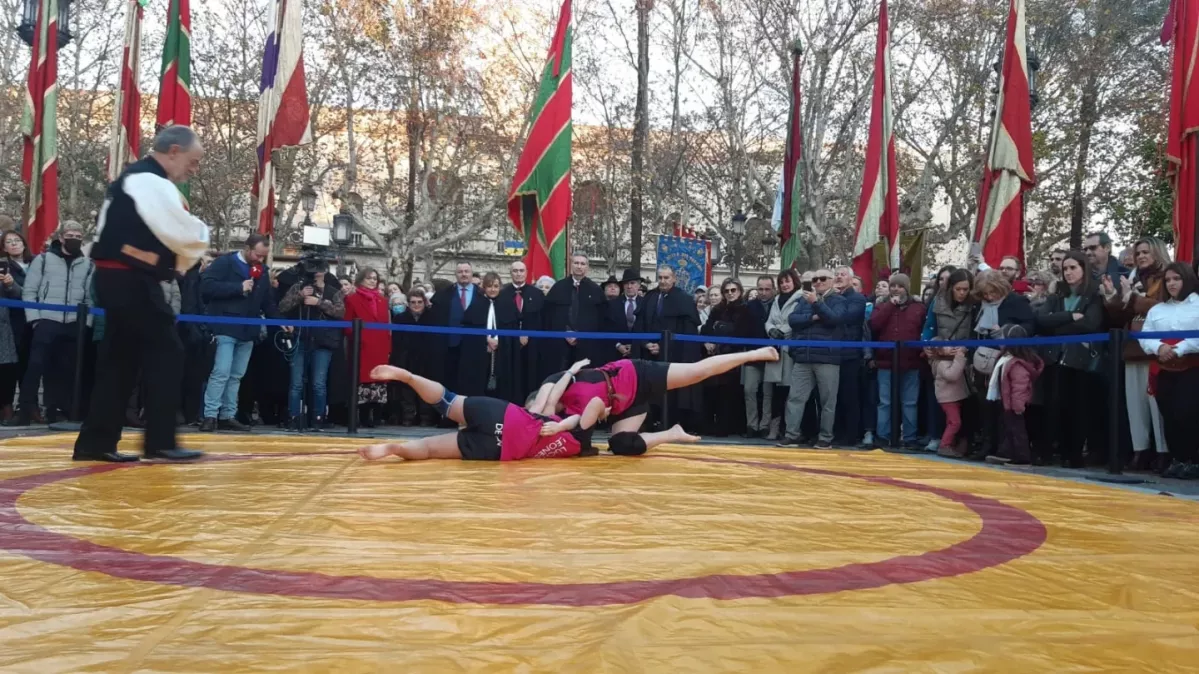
point(174, 455)
point(232, 425)
point(110, 457)
point(208, 425)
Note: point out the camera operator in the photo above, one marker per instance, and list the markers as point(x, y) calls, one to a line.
point(310, 350)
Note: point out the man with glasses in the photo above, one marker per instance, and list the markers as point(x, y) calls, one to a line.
point(852, 382)
point(669, 307)
point(1010, 268)
point(820, 316)
point(1098, 248)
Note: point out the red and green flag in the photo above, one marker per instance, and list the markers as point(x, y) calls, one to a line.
point(174, 95)
point(791, 205)
point(39, 127)
point(539, 203)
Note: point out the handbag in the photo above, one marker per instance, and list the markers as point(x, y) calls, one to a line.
point(985, 358)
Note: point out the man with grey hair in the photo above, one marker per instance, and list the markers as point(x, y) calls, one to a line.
point(144, 235)
point(60, 275)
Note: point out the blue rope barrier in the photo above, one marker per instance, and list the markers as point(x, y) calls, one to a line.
point(626, 337)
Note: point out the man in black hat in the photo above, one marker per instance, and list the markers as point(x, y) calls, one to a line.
point(611, 288)
point(144, 235)
point(621, 313)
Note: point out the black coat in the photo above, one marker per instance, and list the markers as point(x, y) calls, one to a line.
point(16, 315)
point(1056, 320)
point(190, 303)
point(474, 361)
point(418, 352)
point(556, 353)
point(737, 319)
point(679, 316)
point(515, 365)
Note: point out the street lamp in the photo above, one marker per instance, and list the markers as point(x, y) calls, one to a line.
point(1034, 65)
point(27, 28)
point(308, 201)
point(343, 229)
point(738, 230)
point(768, 248)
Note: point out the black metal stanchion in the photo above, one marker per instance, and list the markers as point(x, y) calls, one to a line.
point(664, 356)
point(1115, 376)
point(896, 395)
point(355, 362)
point(81, 312)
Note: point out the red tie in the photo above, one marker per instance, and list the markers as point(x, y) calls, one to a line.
point(520, 301)
point(462, 296)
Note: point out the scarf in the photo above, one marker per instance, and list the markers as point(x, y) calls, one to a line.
point(993, 386)
point(988, 318)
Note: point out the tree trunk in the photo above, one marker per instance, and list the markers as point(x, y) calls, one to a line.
point(414, 142)
point(1087, 116)
point(640, 132)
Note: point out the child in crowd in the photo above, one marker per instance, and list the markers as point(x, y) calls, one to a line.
point(1012, 382)
point(949, 372)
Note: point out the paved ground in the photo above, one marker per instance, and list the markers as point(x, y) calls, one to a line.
point(1144, 482)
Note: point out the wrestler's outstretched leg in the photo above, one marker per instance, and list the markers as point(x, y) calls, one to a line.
point(686, 374)
point(426, 389)
point(635, 444)
point(444, 446)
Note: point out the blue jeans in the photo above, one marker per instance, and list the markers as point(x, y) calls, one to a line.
point(317, 361)
point(228, 367)
point(909, 390)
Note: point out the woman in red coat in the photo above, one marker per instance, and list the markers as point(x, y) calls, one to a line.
point(369, 304)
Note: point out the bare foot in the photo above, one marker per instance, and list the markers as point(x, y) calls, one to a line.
point(375, 452)
point(767, 353)
point(390, 372)
point(677, 434)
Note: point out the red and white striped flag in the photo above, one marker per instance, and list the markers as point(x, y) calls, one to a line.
point(283, 106)
point(123, 147)
point(878, 206)
point(1008, 171)
point(39, 126)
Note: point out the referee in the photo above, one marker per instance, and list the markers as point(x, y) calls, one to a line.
point(144, 235)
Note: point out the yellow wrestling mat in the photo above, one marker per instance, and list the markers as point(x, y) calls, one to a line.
point(291, 554)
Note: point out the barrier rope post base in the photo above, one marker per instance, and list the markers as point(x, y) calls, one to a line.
point(76, 412)
point(896, 395)
point(355, 380)
point(664, 355)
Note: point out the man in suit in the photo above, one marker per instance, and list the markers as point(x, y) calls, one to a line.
point(449, 306)
point(574, 304)
point(669, 307)
point(518, 307)
point(622, 311)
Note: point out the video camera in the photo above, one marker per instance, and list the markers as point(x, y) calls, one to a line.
point(313, 261)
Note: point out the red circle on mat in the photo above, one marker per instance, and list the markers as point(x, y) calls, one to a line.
point(1007, 533)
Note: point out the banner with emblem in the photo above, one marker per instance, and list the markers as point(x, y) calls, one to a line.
point(687, 257)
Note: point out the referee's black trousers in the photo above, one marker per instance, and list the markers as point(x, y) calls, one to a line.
point(139, 335)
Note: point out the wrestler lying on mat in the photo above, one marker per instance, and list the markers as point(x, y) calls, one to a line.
point(628, 386)
point(495, 430)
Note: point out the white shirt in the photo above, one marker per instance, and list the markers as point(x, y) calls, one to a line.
point(1173, 317)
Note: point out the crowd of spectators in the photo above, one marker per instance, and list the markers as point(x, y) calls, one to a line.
point(1015, 404)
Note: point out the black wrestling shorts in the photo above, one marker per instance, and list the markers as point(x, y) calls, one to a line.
point(651, 385)
point(479, 439)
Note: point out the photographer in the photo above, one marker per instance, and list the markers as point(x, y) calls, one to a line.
point(311, 299)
